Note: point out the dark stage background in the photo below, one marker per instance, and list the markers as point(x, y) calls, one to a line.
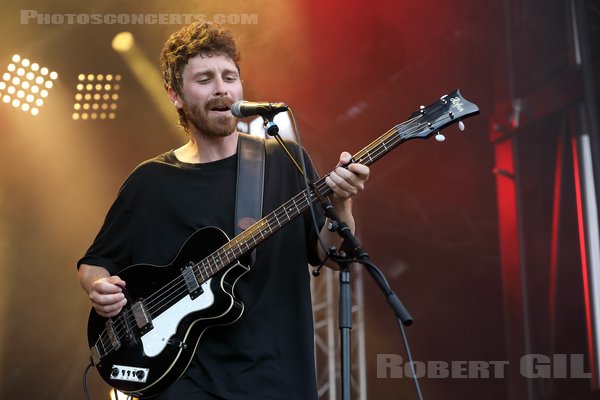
point(350, 70)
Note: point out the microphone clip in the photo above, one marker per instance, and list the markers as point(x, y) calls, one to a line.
point(270, 127)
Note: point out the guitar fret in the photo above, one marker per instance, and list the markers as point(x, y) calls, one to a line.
point(216, 259)
point(305, 199)
point(384, 145)
point(203, 270)
point(100, 344)
point(228, 255)
point(200, 275)
point(222, 259)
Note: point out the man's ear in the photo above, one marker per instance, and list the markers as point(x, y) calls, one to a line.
point(174, 97)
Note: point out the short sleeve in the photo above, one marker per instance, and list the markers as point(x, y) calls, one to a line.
point(111, 247)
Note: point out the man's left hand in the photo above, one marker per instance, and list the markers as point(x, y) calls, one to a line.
point(346, 182)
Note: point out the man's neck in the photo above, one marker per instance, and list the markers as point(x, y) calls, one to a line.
point(203, 149)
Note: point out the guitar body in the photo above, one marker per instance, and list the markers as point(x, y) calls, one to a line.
point(148, 360)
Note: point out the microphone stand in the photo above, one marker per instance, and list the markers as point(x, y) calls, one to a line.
point(350, 251)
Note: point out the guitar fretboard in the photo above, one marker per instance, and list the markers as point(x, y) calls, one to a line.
point(270, 224)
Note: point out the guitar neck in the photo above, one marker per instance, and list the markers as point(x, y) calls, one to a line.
point(422, 124)
point(280, 217)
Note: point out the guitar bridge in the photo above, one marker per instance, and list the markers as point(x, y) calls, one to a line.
point(112, 336)
point(95, 355)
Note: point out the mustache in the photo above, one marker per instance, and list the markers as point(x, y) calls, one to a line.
point(223, 102)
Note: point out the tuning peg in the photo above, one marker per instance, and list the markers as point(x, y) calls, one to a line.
point(439, 137)
point(461, 125)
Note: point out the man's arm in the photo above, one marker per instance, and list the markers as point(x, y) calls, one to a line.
point(345, 183)
point(105, 291)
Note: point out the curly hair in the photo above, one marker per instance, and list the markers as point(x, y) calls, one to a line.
point(198, 38)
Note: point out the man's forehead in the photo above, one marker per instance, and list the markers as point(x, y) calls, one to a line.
point(207, 63)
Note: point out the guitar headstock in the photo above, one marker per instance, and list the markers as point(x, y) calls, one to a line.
point(449, 109)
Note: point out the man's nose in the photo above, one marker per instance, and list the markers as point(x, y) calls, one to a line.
point(220, 87)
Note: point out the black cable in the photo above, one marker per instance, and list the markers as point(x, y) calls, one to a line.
point(410, 359)
point(85, 389)
point(307, 188)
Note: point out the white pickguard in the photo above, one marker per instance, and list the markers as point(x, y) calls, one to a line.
point(166, 323)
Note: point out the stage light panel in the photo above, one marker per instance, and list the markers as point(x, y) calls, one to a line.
point(20, 84)
point(96, 95)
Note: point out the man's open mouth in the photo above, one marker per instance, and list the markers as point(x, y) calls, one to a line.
point(220, 108)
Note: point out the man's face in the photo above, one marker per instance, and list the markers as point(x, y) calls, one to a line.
point(211, 84)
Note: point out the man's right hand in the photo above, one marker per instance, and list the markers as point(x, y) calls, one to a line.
point(105, 291)
point(107, 296)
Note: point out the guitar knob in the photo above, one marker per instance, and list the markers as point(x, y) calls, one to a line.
point(140, 374)
point(114, 372)
point(439, 137)
point(461, 125)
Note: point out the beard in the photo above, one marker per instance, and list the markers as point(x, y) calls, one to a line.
point(208, 124)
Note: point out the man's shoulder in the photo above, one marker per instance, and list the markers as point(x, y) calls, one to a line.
point(167, 158)
point(149, 169)
point(155, 163)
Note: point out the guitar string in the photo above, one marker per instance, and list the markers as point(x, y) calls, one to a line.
point(237, 242)
point(240, 239)
point(376, 151)
point(174, 288)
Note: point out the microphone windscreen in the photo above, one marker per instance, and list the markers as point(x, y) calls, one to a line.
point(236, 109)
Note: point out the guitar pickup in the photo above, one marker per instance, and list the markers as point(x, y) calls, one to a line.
point(142, 317)
point(193, 287)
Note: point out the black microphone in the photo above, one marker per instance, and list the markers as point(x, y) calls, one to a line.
point(244, 108)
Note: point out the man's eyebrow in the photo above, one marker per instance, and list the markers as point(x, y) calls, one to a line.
point(202, 72)
point(230, 71)
point(211, 72)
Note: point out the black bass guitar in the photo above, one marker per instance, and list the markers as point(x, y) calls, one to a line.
point(150, 343)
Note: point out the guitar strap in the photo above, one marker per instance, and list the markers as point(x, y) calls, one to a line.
point(250, 183)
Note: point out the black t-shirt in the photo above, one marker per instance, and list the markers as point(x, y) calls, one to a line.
point(268, 352)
